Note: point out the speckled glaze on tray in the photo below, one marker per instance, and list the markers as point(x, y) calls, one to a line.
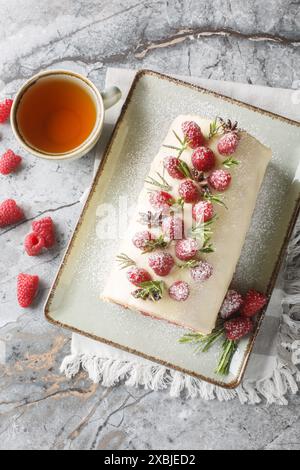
point(153, 102)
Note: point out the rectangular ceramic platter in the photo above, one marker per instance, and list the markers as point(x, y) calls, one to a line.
point(153, 102)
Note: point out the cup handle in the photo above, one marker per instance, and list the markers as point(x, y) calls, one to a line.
point(111, 96)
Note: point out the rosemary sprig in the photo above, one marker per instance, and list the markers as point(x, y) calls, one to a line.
point(152, 290)
point(184, 169)
point(124, 261)
point(214, 128)
point(193, 263)
point(207, 247)
point(229, 348)
point(152, 219)
point(202, 342)
point(183, 144)
point(152, 245)
point(230, 162)
point(161, 182)
point(217, 198)
point(203, 230)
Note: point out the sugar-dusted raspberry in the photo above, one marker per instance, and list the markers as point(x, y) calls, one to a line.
point(254, 302)
point(179, 291)
point(203, 211)
point(186, 249)
point(27, 287)
point(193, 134)
point(161, 263)
point(237, 328)
point(10, 213)
point(189, 191)
point(161, 200)
point(219, 180)
point(173, 227)
point(137, 275)
point(5, 107)
point(228, 143)
point(202, 272)
point(173, 167)
point(232, 303)
point(9, 162)
point(34, 244)
point(141, 239)
point(203, 159)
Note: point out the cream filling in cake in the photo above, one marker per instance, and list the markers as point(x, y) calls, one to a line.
point(200, 311)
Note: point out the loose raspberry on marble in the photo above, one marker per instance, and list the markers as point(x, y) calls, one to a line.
point(186, 249)
point(202, 272)
point(173, 167)
point(9, 162)
point(254, 302)
point(137, 276)
point(5, 107)
point(203, 211)
point(34, 244)
point(173, 227)
point(27, 287)
point(161, 200)
point(193, 134)
point(179, 291)
point(10, 213)
point(189, 191)
point(141, 239)
point(203, 159)
point(228, 143)
point(219, 180)
point(45, 228)
point(161, 263)
point(238, 328)
point(231, 304)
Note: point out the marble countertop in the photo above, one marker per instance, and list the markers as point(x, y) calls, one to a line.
point(252, 42)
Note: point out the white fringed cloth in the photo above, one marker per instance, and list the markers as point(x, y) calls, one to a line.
point(272, 374)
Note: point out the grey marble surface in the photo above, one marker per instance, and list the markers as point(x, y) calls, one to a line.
point(252, 42)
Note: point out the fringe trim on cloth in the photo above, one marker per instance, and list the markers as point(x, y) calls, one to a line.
point(284, 380)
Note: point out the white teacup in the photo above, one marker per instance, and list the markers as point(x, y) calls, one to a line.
point(102, 101)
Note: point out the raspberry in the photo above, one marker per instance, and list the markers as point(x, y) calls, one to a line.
point(141, 239)
point(228, 143)
point(254, 302)
point(186, 249)
point(10, 213)
point(137, 275)
point(179, 291)
point(173, 227)
point(161, 200)
point(45, 228)
point(189, 191)
point(34, 243)
point(161, 263)
point(27, 287)
point(231, 304)
point(5, 107)
point(238, 328)
point(172, 165)
point(9, 162)
point(192, 134)
point(203, 211)
point(202, 272)
point(219, 180)
point(203, 159)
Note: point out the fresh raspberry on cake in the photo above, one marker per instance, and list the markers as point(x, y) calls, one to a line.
point(9, 162)
point(228, 143)
point(161, 200)
point(161, 263)
point(189, 191)
point(34, 244)
point(203, 211)
point(202, 272)
point(137, 276)
point(27, 287)
point(173, 227)
point(186, 249)
point(237, 328)
point(5, 107)
point(203, 159)
point(179, 291)
point(141, 239)
point(219, 180)
point(10, 213)
point(45, 228)
point(173, 167)
point(254, 302)
point(192, 134)
point(232, 303)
